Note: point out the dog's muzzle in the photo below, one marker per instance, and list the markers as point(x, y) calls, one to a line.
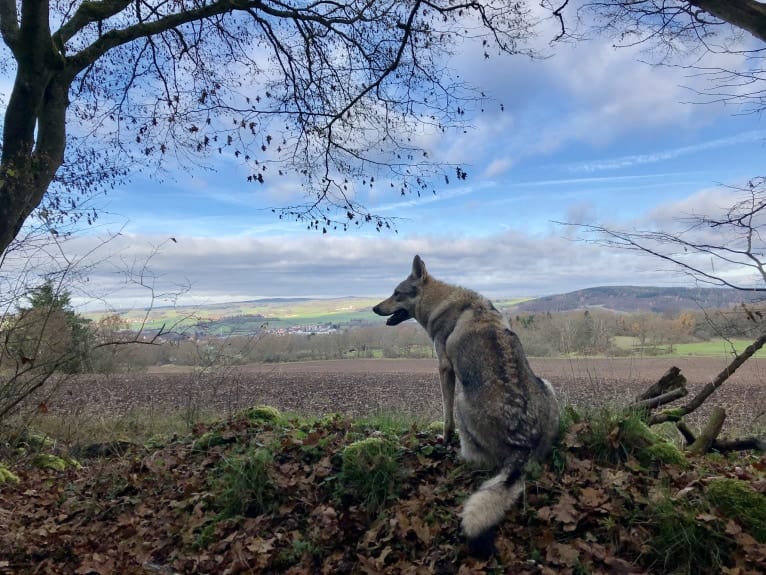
point(397, 317)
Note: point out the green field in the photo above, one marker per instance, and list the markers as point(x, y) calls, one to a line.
point(278, 312)
point(712, 348)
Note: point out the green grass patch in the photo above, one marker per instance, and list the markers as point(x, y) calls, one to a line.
point(712, 348)
point(735, 499)
point(135, 426)
point(680, 542)
point(389, 423)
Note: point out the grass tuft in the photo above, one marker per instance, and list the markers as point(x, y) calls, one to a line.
point(369, 472)
point(680, 543)
point(736, 500)
point(244, 487)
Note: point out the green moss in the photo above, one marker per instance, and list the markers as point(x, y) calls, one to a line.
point(7, 476)
point(36, 441)
point(736, 500)
point(262, 413)
point(435, 427)
point(662, 452)
point(635, 435)
point(673, 414)
point(208, 440)
point(53, 462)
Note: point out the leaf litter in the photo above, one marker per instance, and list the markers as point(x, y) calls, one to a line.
point(159, 510)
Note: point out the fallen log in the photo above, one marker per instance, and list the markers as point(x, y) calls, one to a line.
point(704, 442)
point(724, 445)
point(671, 380)
point(654, 402)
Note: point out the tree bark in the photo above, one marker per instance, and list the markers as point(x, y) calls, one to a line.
point(746, 14)
point(668, 388)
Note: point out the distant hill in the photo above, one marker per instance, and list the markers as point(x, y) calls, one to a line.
point(636, 299)
point(247, 316)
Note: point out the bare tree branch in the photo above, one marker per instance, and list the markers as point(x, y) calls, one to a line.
point(679, 33)
point(705, 439)
point(707, 391)
point(334, 94)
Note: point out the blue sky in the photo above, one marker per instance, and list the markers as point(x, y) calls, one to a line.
point(589, 135)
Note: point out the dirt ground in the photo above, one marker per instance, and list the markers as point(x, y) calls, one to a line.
point(360, 387)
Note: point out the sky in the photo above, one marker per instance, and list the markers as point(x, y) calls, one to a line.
point(590, 135)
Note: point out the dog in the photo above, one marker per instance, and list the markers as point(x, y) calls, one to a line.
point(506, 415)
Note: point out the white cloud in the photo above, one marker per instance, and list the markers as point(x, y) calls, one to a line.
point(665, 155)
point(509, 263)
point(497, 167)
point(586, 92)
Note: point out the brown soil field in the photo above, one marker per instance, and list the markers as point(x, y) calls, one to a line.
point(362, 387)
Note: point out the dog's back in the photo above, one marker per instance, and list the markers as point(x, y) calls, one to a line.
point(505, 413)
point(503, 407)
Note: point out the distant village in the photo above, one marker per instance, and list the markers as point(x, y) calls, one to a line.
point(245, 325)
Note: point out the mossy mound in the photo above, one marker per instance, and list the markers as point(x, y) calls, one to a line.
point(436, 427)
point(662, 452)
point(262, 413)
point(54, 462)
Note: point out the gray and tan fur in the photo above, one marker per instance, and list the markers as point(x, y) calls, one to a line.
point(505, 413)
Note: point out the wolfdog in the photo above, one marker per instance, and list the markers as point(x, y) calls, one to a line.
point(505, 413)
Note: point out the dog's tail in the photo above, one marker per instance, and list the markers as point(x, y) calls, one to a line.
point(486, 508)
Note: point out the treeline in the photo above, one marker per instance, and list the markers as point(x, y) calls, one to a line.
point(583, 333)
point(597, 332)
point(364, 342)
point(48, 336)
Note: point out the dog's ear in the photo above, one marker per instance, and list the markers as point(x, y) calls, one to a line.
point(418, 268)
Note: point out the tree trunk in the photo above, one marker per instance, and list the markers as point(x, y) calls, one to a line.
point(34, 130)
point(746, 14)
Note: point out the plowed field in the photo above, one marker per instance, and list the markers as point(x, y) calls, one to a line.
point(359, 387)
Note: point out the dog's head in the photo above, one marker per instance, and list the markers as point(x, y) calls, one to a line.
point(401, 305)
